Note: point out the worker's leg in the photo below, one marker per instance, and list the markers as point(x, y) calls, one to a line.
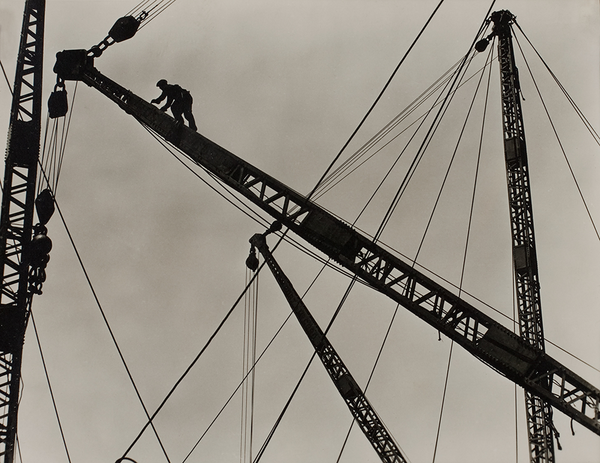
point(177, 114)
point(190, 118)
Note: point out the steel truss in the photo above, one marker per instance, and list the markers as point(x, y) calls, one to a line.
point(16, 222)
point(479, 334)
point(361, 409)
point(539, 413)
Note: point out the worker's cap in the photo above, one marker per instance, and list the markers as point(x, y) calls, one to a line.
point(161, 83)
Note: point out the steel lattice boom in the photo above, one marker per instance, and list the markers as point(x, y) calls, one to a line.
point(482, 336)
point(363, 412)
point(539, 413)
point(16, 225)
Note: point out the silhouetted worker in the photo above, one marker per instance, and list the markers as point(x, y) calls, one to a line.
point(178, 99)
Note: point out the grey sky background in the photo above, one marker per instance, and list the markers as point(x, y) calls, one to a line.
point(283, 84)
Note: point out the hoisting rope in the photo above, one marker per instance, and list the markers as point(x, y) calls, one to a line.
point(54, 147)
point(150, 9)
point(469, 226)
point(560, 144)
point(248, 370)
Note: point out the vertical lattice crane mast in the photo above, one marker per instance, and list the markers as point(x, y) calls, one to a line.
point(539, 412)
point(16, 220)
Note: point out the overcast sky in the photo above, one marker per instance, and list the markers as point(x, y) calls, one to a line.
point(283, 84)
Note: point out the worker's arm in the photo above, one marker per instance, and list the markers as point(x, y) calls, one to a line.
point(162, 96)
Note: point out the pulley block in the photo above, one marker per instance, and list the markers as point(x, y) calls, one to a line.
point(58, 105)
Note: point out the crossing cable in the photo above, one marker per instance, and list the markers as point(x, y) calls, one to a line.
point(258, 359)
point(105, 319)
point(429, 135)
point(319, 182)
point(589, 214)
point(397, 120)
point(245, 209)
point(51, 390)
point(585, 121)
point(385, 87)
point(469, 226)
point(194, 361)
point(49, 160)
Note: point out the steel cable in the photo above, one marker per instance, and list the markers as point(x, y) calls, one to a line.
point(469, 226)
point(103, 314)
point(585, 121)
point(6, 78)
point(560, 144)
point(381, 93)
point(324, 176)
point(50, 389)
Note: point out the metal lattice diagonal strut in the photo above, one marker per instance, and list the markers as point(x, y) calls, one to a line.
point(363, 412)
